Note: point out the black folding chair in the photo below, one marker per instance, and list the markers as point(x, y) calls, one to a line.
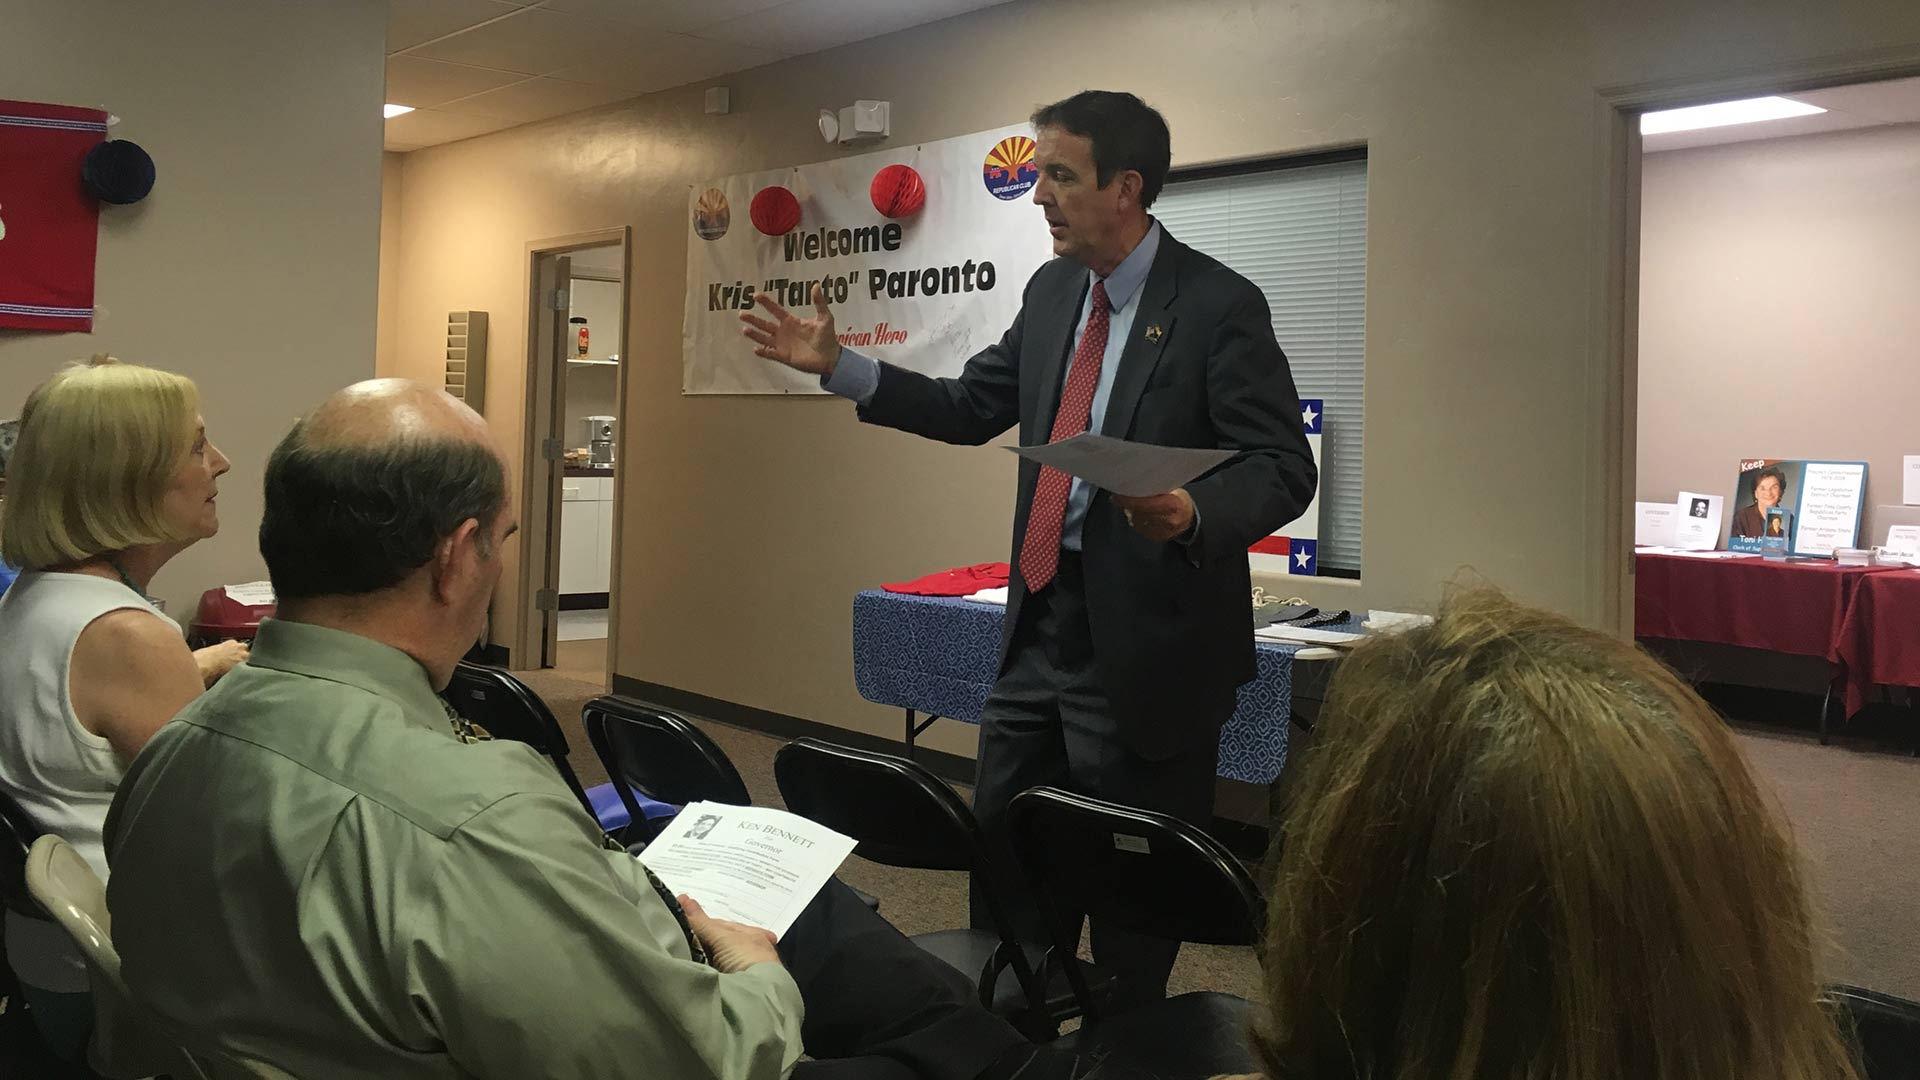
point(1884, 1030)
point(1155, 875)
point(660, 755)
point(504, 708)
point(903, 815)
point(17, 834)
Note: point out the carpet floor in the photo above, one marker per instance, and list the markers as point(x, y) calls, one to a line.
point(1853, 808)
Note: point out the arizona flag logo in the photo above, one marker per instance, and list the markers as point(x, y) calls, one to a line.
point(1295, 549)
point(1009, 170)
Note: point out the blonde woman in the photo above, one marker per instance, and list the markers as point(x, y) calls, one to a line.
point(111, 476)
point(1523, 850)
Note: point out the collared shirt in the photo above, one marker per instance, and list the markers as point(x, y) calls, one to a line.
point(312, 870)
point(857, 376)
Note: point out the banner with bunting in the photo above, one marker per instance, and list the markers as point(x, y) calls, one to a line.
point(923, 251)
point(1295, 548)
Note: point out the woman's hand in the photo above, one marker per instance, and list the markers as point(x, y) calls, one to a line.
point(216, 660)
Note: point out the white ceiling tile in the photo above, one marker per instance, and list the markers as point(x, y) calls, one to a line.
point(672, 16)
point(803, 26)
point(426, 127)
point(411, 22)
point(537, 99)
point(647, 62)
point(530, 41)
point(426, 83)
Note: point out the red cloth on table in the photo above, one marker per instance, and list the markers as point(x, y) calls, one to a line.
point(49, 224)
point(959, 581)
point(1784, 607)
point(1879, 643)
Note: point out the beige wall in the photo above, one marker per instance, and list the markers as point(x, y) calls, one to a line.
point(750, 522)
point(251, 266)
point(1778, 311)
point(387, 325)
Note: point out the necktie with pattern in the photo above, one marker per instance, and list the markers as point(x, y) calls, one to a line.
point(1040, 549)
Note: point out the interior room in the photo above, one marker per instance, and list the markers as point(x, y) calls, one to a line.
point(1574, 304)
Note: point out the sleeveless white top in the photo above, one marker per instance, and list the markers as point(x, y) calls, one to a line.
point(61, 774)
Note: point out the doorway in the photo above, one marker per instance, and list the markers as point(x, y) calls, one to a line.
point(577, 351)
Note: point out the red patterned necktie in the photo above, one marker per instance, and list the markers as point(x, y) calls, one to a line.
point(1040, 550)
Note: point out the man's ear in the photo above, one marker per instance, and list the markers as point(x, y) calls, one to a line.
point(1131, 184)
point(452, 558)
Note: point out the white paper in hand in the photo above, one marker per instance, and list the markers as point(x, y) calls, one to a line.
point(748, 864)
point(1122, 467)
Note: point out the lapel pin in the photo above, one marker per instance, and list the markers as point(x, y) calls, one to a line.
point(1153, 334)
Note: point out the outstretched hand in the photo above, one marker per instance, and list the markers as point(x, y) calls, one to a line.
point(808, 345)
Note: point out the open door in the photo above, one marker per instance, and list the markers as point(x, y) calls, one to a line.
point(539, 638)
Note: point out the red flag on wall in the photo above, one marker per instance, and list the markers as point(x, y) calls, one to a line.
point(49, 223)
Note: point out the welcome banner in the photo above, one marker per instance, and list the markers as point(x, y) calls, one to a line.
point(924, 289)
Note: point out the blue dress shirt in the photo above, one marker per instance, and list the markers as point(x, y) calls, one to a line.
point(857, 376)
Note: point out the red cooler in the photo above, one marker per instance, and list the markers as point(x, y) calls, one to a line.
point(230, 613)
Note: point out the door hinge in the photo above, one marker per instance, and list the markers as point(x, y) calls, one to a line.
point(560, 300)
point(546, 600)
point(551, 450)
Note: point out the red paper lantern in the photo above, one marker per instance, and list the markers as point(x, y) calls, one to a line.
point(898, 192)
point(774, 211)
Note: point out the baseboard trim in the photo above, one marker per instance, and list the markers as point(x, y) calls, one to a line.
point(949, 767)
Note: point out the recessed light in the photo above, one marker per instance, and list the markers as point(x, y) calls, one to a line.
point(391, 110)
point(1724, 113)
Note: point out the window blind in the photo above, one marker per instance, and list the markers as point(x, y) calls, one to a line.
point(1300, 235)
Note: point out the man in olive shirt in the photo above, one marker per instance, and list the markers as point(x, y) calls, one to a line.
point(314, 871)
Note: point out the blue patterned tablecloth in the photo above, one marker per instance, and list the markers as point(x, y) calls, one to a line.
point(936, 655)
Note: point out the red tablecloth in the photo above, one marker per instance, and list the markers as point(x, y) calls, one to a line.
point(1879, 643)
point(1786, 607)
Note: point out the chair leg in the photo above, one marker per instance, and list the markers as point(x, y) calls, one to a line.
point(1826, 706)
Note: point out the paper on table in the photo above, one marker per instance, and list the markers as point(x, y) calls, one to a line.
point(1911, 494)
point(1122, 467)
point(1696, 523)
point(253, 593)
point(1306, 635)
point(1683, 553)
point(1653, 524)
point(749, 864)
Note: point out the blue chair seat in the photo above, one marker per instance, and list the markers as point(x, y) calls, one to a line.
point(612, 812)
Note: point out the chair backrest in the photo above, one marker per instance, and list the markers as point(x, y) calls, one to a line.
point(661, 755)
point(1135, 869)
point(505, 707)
point(1883, 1028)
point(17, 834)
point(127, 1040)
point(899, 812)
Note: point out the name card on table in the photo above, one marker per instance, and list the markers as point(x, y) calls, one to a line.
point(1903, 542)
point(1653, 524)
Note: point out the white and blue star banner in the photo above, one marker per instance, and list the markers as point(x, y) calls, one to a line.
point(1295, 549)
point(925, 284)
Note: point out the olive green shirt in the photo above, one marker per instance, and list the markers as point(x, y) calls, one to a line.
point(310, 870)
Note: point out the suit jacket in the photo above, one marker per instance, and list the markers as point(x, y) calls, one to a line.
point(1172, 624)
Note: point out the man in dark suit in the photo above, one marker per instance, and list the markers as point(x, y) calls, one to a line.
point(1129, 620)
